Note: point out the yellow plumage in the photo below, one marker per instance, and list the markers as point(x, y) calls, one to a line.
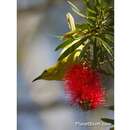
point(57, 71)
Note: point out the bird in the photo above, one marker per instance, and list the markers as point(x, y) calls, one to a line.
point(57, 71)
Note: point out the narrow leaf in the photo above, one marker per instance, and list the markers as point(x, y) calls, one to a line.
point(70, 49)
point(109, 37)
point(76, 10)
point(105, 45)
point(91, 11)
point(108, 120)
point(84, 51)
point(64, 44)
point(82, 26)
point(92, 18)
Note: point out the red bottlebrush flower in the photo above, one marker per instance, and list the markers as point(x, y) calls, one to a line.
point(83, 84)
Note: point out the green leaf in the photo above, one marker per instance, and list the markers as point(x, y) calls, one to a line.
point(108, 120)
point(70, 3)
point(109, 37)
point(90, 22)
point(82, 26)
point(91, 11)
point(82, 54)
point(91, 18)
point(64, 44)
point(70, 44)
point(71, 49)
point(84, 50)
point(86, 1)
point(99, 2)
point(105, 45)
point(76, 10)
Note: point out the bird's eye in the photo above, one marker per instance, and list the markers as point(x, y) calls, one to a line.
point(45, 71)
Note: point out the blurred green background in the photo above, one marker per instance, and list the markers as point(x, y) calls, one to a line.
point(42, 105)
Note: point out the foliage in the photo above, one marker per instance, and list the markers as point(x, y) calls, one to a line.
point(93, 39)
